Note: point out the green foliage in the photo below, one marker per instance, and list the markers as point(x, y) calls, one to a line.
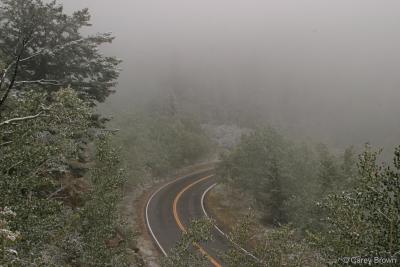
point(364, 220)
point(99, 218)
point(65, 215)
point(241, 235)
point(328, 173)
point(349, 167)
point(283, 247)
point(286, 179)
point(58, 54)
point(345, 213)
point(158, 145)
point(185, 253)
point(258, 166)
point(33, 154)
point(63, 218)
point(7, 238)
point(274, 248)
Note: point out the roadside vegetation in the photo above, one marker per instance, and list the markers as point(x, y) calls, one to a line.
point(318, 204)
point(60, 179)
point(65, 169)
point(155, 145)
point(314, 207)
point(62, 170)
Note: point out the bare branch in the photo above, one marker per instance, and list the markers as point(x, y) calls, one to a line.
point(20, 119)
point(59, 47)
point(110, 130)
point(56, 192)
point(15, 165)
point(12, 81)
point(6, 143)
point(6, 70)
point(41, 82)
point(4, 73)
point(42, 51)
point(10, 86)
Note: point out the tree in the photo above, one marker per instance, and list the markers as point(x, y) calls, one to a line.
point(272, 248)
point(349, 167)
point(33, 163)
point(364, 220)
point(185, 252)
point(40, 44)
point(329, 175)
point(259, 166)
point(64, 214)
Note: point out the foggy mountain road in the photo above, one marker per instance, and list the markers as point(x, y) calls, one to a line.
point(171, 208)
point(271, 120)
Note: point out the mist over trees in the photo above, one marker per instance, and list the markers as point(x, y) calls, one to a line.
point(323, 70)
point(285, 95)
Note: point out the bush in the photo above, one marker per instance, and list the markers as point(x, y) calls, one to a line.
point(64, 216)
point(364, 220)
point(185, 252)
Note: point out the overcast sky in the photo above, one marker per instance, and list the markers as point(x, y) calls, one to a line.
point(332, 62)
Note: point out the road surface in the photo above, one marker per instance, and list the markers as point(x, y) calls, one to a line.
point(171, 207)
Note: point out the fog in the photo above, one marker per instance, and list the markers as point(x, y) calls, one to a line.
point(322, 69)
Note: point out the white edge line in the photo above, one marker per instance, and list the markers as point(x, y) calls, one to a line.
point(218, 229)
point(151, 198)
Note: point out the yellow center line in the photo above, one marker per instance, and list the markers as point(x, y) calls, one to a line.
point(182, 227)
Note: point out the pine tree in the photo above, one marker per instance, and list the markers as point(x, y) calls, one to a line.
point(43, 45)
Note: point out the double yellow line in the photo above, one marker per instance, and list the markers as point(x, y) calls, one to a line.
point(182, 227)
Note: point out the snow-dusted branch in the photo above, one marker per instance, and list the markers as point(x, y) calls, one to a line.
point(6, 143)
point(43, 51)
point(21, 119)
point(14, 76)
point(4, 73)
point(14, 64)
point(18, 59)
point(110, 130)
point(58, 48)
point(41, 82)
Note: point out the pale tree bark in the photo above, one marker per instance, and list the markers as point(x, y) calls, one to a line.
point(41, 82)
point(14, 75)
point(7, 122)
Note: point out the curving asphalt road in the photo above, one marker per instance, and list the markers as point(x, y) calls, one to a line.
point(171, 207)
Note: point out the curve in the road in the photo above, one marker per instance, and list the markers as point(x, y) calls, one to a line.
point(219, 229)
point(183, 228)
point(148, 205)
point(147, 215)
point(175, 204)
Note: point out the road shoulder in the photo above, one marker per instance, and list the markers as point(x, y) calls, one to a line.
point(136, 205)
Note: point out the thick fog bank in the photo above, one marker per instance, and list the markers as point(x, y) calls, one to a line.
point(326, 69)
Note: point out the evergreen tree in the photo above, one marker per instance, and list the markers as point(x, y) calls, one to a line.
point(40, 44)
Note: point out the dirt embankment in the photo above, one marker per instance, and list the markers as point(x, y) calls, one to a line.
point(227, 206)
